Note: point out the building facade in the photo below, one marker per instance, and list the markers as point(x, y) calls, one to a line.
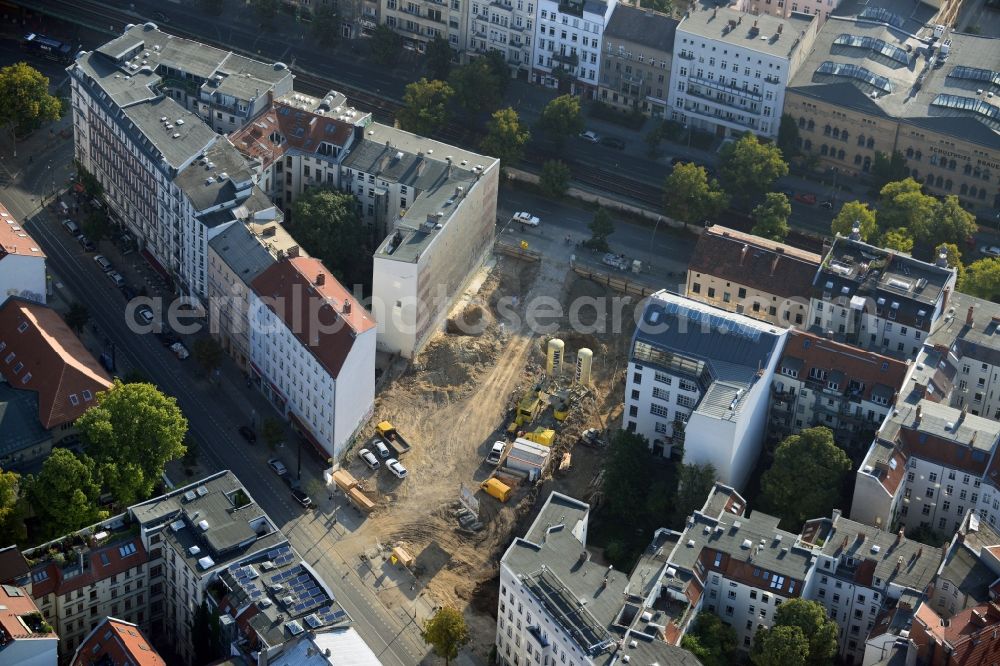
point(22, 262)
point(420, 21)
point(730, 69)
point(568, 44)
point(636, 60)
point(507, 27)
point(25, 638)
point(116, 642)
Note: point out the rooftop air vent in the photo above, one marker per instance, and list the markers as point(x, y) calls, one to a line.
point(203, 525)
point(194, 550)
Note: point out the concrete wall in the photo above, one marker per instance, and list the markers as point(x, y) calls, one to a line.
point(22, 275)
point(354, 396)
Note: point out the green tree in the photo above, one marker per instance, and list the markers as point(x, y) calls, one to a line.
point(898, 239)
point(805, 478)
point(886, 169)
point(780, 646)
point(439, 56)
point(771, 217)
point(27, 102)
point(694, 483)
point(273, 432)
point(12, 509)
point(851, 213)
point(386, 45)
point(561, 118)
point(554, 179)
point(475, 86)
point(136, 376)
point(208, 352)
point(65, 492)
point(91, 186)
point(425, 107)
point(77, 317)
point(600, 227)
point(326, 224)
point(788, 136)
point(749, 168)
point(954, 256)
point(446, 632)
point(903, 204)
point(951, 224)
point(500, 68)
point(627, 473)
point(811, 619)
point(97, 226)
point(690, 196)
point(265, 9)
point(711, 640)
point(982, 278)
point(325, 26)
point(505, 137)
point(132, 432)
point(664, 6)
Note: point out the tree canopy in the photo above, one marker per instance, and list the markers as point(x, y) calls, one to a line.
point(425, 106)
point(26, 99)
point(386, 45)
point(771, 217)
point(327, 226)
point(887, 168)
point(77, 317)
point(694, 483)
point(12, 508)
point(64, 494)
point(600, 227)
point(561, 118)
point(439, 55)
point(554, 179)
point(982, 278)
point(325, 25)
point(131, 433)
point(855, 212)
point(805, 478)
point(898, 239)
point(954, 256)
point(690, 196)
point(208, 352)
point(788, 136)
point(505, 137)
point(951, 224)
point(903, 204)
point(820, 631)
point(446, 632)
point(780, 646)
point(711, 640)
point(748, 168)
point(476, 86)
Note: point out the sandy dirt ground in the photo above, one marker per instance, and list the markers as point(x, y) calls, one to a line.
point(453, 402)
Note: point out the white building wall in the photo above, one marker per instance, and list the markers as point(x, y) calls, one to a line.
point(872, 504)
point(976, 387)
point(23, 275)
point(741, 606)
point(654, 400)
point(506, 26)
point(559, 32)
point(354, 396)
point(394, 289)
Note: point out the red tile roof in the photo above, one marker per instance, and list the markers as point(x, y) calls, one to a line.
point(297, 128)
point(14, 604)
point(40, 353)
point(119, 641)
point(324, 317)
point(95, 568)
point(14, 239)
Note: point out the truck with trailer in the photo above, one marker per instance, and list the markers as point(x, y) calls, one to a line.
point(388, 434)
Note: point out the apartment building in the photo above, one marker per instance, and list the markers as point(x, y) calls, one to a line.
point(312, 351)
point(437, 204)
point(420, 21)
point(888, 77)
point(879, 299)
point(968, 356)
point(700, 377)
point(326, 648)
point(568, 44)
point(50, 378)
point(236, 257)
point(299, 142)
point(22, 262)
point(821, 9)
point(116, 642)
point(26, 639)
point(635, 68)
point(507, 27)
point(928, 465)
point(747, 274)
point(558, 606)
point(820, 382)
point(730, 69)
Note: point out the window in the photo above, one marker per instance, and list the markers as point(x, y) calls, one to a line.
point(659, 410)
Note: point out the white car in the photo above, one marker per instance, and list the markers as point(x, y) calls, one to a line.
point(369, 458)
point(382, 449)
point(103, 262)
point(145, 313)
point(527, 218)
point(396, 468)
point(496, 452)
point(278, 466)
point(990, 250)
point(590, 137)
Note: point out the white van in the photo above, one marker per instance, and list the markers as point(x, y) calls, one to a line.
point(71, 227)
point(117, 278)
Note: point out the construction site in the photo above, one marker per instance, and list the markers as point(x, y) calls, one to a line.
point(549, 397)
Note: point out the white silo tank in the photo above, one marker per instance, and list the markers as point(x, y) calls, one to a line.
point(553, 364)
point(584, 359)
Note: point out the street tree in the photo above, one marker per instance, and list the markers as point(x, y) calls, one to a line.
point(554, 179)
point(561, 119)
point(77, 317)
point(887, 168)
point(951, 224)
point(954, 256)
point(273, 432)
point(788, 136)
point(265, 9)
point(811, 618)
point(805, 479)
point(780, 646)
point(771, 217)
point(694, 483)
point(27, 103)
point(64, 494)
point(12, 508)
point(627, 473)
point(851, 213)
point(131, 433)
point(600, 227)
point(97, 226)
point(91, 185)
point(505, 137)
point(475, 86)
point(208, 352)
point(690, 196)
point(903, 204)
point(326, 224)
point(325, 26)
point(386, 45)
point(748, 168)
point(439, 56)
point(982, 278)
point(446, 632)
point(898, 239)
point(501, 70)
point(425, 107)
point(711, 640)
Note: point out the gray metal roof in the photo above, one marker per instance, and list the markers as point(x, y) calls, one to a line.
point(945, 423)
point(979, 342)
point(193, 137)
point(242, 251)
point(968, 573)
point(642, 26)
point(710, 24)
point(19, 422)
point(203, 180)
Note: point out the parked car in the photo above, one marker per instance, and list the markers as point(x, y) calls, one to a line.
point(990, 250)
point(527, 218)
point(382, 449)
point(278, 467)
point(103, 262)
point(145, 313)
point(116, 278)
point(806, 198)
point(302, 498)
point(247, 433)
point(612, 142)
point(828, 204)
point(86, 243)
point(180, 351)
point(615, 261)
point(496, 452)
point(396, 468)
point(369, 458)
point(71, 227)
point(590, 136)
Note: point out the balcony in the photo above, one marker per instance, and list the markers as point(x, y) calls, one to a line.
point(572, 7)
point(685, 55)
point(719, 115)
point(567, 60)
point(725, 88)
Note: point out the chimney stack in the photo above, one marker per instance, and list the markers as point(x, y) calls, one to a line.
point(743, 253)
point(916, 421)
point(856, 231)
point(320, 279)
point(900, 536)
point(969, 319)
point(347, 307)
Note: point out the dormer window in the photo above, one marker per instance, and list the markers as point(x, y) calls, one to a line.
point(833, 386)
point(22, 327)
point(818, 373)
